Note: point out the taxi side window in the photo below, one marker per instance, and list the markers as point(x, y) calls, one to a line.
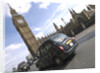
point(41, 51)
point(38, 53)
point(48, 47)
point(45, 50)
point(45, 47)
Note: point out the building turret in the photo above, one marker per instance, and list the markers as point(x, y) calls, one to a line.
point(92, 6)
point(63, 21)
point(71, 12)
point(56, 27)
point(88, 8)
point(61, 26)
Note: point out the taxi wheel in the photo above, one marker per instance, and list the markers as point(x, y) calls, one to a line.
point(73, 53)
point(38, 67)
point(58, 61)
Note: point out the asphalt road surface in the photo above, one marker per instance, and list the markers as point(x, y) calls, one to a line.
point(85, 53)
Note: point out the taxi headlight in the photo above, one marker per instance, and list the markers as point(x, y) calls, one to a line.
point(71, 44)
point(25, 67)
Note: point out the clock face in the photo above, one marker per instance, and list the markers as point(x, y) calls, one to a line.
point(20, 21)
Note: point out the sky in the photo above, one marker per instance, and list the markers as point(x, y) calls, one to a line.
point(39, 16)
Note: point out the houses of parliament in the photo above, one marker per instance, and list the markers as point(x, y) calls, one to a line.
point(79, 22)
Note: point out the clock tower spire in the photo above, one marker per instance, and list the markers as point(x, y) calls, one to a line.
point(12, 11)
point(24, 30)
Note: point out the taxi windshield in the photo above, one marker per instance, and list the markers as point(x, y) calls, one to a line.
point(59, 37)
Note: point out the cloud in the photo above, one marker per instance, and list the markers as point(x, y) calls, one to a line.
point(44, 5)
point(39, 35)
point(7, 55)
point(62, 12)
point(36, 29)
point(13, 47)
point(17, 57)
point(12, 53)
point(80, 7)
point(23, 6)
point(14, 61)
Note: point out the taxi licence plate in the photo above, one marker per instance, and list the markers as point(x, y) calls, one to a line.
point(68, 42)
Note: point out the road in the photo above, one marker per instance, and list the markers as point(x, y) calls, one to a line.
point(85, 52)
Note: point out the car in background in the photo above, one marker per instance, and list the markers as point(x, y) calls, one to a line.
point(29, 59)
point(55, 50)
point(30, 62)
point(14, 69)
point(23, 67)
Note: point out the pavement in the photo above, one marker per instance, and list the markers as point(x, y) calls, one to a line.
point(84, 56)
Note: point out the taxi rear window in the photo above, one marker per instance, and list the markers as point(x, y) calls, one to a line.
point(59, 37)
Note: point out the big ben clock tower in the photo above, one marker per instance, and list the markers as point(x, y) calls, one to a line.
point(25, 32)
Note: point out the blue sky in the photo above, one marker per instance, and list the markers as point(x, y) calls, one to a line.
point(35, 18)
point(39, 16)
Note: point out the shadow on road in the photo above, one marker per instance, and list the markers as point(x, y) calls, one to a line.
point(66, 62)
point(86, 37)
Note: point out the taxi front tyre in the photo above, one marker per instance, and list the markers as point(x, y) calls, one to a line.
point(58, 61)
point(38, 66)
